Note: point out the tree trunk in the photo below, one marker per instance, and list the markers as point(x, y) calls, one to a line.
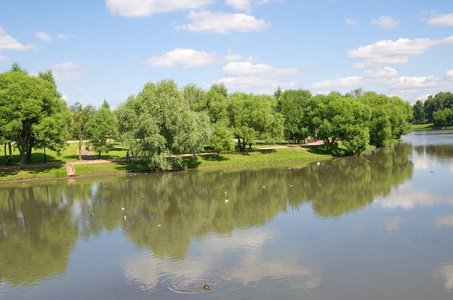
point(29, 154)
point(45, 157)
point(80, 148)
point(10, 150)
point(239, 144)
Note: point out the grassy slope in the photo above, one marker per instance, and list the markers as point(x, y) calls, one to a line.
point(421, 127)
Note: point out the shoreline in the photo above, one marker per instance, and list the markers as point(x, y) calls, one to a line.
point(27, 180)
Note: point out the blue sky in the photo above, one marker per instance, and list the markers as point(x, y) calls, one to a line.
point(109, 49)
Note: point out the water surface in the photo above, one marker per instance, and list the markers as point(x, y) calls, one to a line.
point(378, 226)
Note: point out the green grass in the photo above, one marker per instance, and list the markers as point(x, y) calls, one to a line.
point(422, 127)
point(257, 157)
point(68, 155)
point(203, 161)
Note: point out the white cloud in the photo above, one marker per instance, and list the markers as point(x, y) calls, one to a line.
point(65, 98)
point(441, 20)
point(184, 57)
point(380, 73)
point(66, 66)
point(66, 36)
point(44, 36)
point(245, 76)
point(233, 57)
point(4, 58)
point(245, 5)
point(68, 76)
point(142, 8)
point(350, 21)
point(406, 87)
point(219, 22)
point(9, 43)
point(449, 73)
point(385, 22)
point(387, 52)
point(262, 70)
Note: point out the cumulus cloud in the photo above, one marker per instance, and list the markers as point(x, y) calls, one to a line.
point(350, 21)
point(262, 70)
point(143, 8)
point(441, 20)
point(387, 52)
point(219, 22)
point(66, 66)
point(68, 76)
point(4, 58)
point(449, 73)
point(7, 42)
point(186, 58)
point(406, 87)
point(245, 5)
point(385, 22)
point(44, 36)
point(65, 36)
point(246, 75)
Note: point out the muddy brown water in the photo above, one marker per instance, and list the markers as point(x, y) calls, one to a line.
point(378, 226)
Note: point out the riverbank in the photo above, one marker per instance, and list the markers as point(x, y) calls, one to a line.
point(428, 127)
point(275, 154)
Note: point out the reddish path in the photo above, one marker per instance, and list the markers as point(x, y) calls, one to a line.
point(96, 161)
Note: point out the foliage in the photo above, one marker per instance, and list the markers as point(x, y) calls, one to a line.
point(30, 104)
point(335, 119)
point(253, 117)
point(102, 129)
point(80, 117)
point(221, 139)
point(161, 122)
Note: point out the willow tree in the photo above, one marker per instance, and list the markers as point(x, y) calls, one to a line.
point(161, 122)
point(338, 119)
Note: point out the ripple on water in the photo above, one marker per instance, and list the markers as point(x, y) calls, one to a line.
point(218, 282)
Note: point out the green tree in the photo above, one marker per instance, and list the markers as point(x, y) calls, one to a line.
point(443, 117)
point(221, 139)
point(419, 112)
point(336, 119)
point(102, 129)
point(27, 101)
point(80, 117)
point(292, 103)
point(161, 122)
point(254, 117)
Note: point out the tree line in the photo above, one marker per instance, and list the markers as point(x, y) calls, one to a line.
point(166, 121)
point(436, 109)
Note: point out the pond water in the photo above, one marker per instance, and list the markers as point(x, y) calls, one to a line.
point(378, 226)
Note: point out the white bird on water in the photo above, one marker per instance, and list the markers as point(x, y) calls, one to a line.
point(226, 200)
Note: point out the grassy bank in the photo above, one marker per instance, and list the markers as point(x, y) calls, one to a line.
point(203, 161)
point(423, 127)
